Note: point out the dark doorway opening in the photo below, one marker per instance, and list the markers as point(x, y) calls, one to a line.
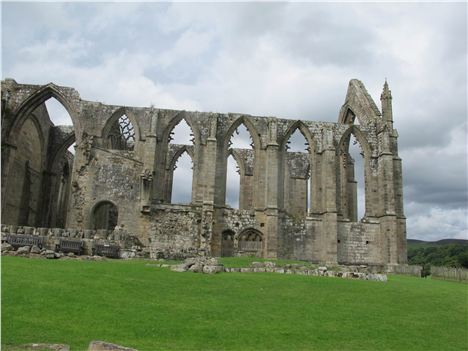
point(105, 215)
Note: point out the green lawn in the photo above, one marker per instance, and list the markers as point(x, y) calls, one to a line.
point(150, 308)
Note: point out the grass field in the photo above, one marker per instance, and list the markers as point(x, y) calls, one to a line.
point(149, 308)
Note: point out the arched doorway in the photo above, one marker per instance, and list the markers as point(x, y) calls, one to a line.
point(227, 243)
point(105, 215)
point(21, 204)
point(35, 109)
point(250, 243)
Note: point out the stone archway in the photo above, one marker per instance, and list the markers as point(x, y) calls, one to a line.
point(105, 215)
point(21, 203)
point(250, 243)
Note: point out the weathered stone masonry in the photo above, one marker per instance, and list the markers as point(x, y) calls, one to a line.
point(122, 170)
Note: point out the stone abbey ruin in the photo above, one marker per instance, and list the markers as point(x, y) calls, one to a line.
point(119, 179)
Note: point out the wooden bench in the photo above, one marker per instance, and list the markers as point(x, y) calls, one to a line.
point(70, 245)
point(107, 250)
point(253, 246)
point(18, 240)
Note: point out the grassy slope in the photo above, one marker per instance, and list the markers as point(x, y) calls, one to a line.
point(152, 308)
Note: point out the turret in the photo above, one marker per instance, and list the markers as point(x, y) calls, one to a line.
point(386, 100)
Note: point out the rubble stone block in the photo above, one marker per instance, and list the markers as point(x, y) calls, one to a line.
point(107, 346)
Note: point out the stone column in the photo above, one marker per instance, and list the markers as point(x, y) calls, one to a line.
point(8, 155)
point(46, 199)
point(210, 240)
point(159, 158)
point(329, 233)
point(385, 175)
point(246, 191)
point(399, 210)
point(271, 196)
point(351, 191)
point(388, 220)
point(148, 158)
point(315, 193)
point(208, 166)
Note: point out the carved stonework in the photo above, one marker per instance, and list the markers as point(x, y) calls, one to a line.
point(86, 147)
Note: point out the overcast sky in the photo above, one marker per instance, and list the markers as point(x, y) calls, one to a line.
point(291, 60)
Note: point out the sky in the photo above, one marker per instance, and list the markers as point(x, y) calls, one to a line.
point(291, 60)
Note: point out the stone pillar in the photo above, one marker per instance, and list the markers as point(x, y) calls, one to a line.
point(159, 161)
point(271, 186)
point(297, 196)
point(315, 192)
point(271, 233)
point(210, 239)
point(329, 233)
point(8, 155)
point(168, 183)
point(385, 175)
point(271, 196)
point(386, 197)
point(246, 191)
point(216, 153)
point(351, 191)
point(209, 243)
point(399, 210)
point(148, 158)
point(46, 199)
point(75, 217)
point(146, 183)
point(208, 166)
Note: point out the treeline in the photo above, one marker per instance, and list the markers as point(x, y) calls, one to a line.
point(449, 255)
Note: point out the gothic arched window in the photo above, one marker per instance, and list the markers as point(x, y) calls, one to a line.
point(121, 135)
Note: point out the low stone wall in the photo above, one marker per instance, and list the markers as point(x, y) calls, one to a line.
point(405, 269)
point(118, 234)
point(129, 244)
point(212, 265)
point(449, 273)
point(318, 272)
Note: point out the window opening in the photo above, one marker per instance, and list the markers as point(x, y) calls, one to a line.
point(236, 189)
point(182, 180)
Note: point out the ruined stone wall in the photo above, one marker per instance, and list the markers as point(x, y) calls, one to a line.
point(360, 243)
point(302, 238)
point(51, 237)
point(114, 177)
point(137, 178)
point(239, 220)
point(174, 231)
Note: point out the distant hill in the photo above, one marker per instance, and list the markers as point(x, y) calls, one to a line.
point(420, 243)
point(445, 252)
